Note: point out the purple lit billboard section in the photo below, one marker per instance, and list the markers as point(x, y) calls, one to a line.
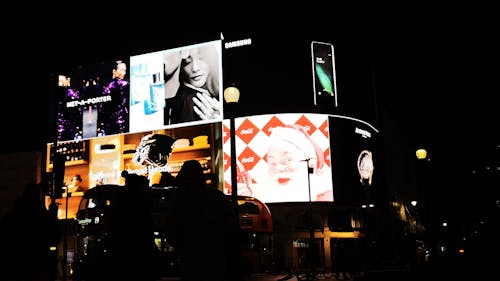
point(93, 101)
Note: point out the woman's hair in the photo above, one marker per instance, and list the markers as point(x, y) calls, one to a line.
point(209, 55)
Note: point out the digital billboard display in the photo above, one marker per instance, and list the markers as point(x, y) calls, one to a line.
point(176, 87)
point(93, 101)
point(355, 168)
point(145, 114)
point(289, 157)
point(280, 156)
point(169, 88)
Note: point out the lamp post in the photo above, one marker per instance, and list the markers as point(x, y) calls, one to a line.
point(421, 154)
point(232, 96)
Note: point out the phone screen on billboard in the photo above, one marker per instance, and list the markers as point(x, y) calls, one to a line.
point(323, 68)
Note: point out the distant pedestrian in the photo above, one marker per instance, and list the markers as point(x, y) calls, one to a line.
point(197, 208)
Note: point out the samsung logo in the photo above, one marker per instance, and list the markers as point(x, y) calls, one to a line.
point(238, 43)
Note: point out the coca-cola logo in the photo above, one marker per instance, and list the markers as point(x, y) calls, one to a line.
point(247, 131)
point(250, 159)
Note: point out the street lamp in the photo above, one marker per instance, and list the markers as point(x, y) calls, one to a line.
point(421, 154)
point(232, 96)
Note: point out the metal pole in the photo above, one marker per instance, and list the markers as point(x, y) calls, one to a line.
point(311, 228)
point(234, 168)
point(53, 122)
point(65, 245)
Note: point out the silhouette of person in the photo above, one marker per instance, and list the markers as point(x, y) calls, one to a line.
point(166, 179)
point(196, 207)
point(27, 232)
point(132, 238)
point(340, 260)
point(212, 180)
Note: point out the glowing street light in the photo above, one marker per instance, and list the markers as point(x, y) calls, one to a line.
point(232, 96)
point(421, 154)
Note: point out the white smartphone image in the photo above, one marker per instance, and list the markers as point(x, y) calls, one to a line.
point(323, 69)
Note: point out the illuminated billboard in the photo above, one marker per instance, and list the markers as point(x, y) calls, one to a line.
point(129, 114)
point(169, 88)
point(176, 87)
point(93, 101)
point(178, 92)
point(280, 156)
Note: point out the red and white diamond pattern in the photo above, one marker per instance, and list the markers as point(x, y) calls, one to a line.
point(252, 135)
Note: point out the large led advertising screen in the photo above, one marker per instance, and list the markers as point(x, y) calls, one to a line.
point(176, 87)
point(279, 156)
point(93, 101)
point(145, 114)
point(169, 88)
point(355, 159)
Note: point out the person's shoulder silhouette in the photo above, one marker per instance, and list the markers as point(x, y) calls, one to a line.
point(197, 207)
point(132, 231)
point(166, 179)
point(190, 175)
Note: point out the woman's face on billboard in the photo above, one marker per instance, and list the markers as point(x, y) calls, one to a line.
point(195, 68)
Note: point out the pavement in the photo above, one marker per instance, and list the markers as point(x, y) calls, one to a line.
point(290, 277)
point(385, 275)
point(282, 277)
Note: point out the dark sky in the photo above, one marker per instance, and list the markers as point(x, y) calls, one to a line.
point(434, 69)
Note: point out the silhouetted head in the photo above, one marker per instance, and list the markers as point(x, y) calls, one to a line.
point(167, 179)
point(191, 174)
point(136, 182)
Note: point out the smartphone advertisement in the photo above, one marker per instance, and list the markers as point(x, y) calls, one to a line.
point(323, 69)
